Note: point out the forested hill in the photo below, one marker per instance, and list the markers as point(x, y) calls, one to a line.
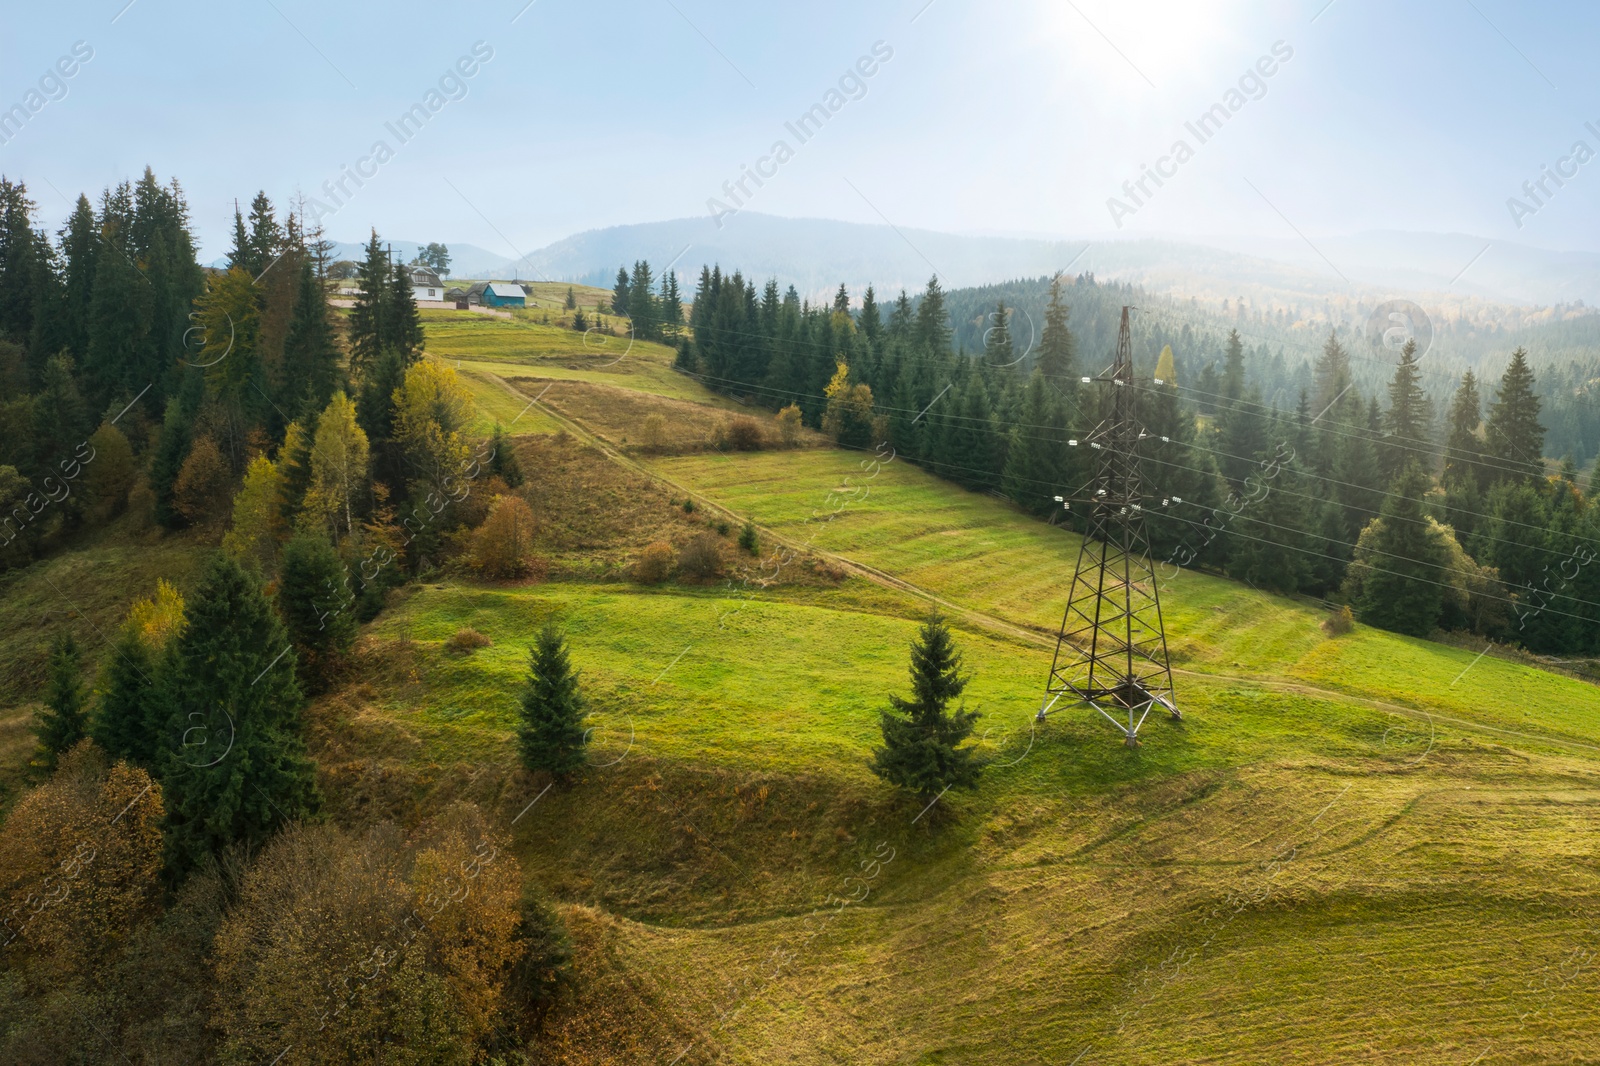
point(1281, 347)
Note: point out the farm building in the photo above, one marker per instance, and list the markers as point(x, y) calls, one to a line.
point(497, 294)
point(425, 284)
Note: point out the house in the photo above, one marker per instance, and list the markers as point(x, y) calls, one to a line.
point(497, 294)
point(425, 284)
point(455, 294)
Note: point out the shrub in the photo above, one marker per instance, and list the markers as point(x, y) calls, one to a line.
point(788, 421)
point(1339, 622)
point(654, 564)
point(743, 434)
point(466, 641)
point(748, 539)
point(688, 505)
point(653, 432)
point(503, 544)
point(721, 526)
point(202, 484)
point(701, 558)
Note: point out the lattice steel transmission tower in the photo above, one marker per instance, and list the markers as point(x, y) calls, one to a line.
point(1112, 649)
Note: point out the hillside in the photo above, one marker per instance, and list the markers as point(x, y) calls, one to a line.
point(1342, 829)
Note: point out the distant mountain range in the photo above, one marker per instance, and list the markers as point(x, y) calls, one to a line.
point(815, 255)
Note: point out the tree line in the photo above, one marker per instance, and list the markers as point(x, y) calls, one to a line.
point(1348, 496)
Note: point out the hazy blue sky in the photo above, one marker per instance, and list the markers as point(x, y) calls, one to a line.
point(1007, 116)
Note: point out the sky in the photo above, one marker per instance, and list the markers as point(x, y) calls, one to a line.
point(1012, 116)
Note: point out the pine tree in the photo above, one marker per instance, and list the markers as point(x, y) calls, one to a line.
point(232, 761)
point(317, 604)
point(550, 729)
point(310, 368)
point(1036, 456)
point(405, 322)
point(241, 255)
point(1233, 367)
point(1403, 591)
point(870, 320)
point(997, 347)
point(120, 723)
point(1332, 373)
point(671, 308)
point(1515, 435)
point(922, 748)
point(1463, 456)
point(64, 720)
point(1407, 420)
point(367, 332)
point(266, 240)
point(621, 291)
point(503, 458)
point(642, 303)
point(572, 301)
point(932, 329)
point(1057, 358)
point(902, 321)
point(79, 243)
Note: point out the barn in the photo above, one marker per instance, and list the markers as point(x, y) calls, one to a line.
point(504, 294)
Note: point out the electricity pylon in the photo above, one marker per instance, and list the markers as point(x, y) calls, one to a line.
point(1112, 649)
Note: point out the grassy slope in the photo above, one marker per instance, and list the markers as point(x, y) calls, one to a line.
point(1294, 874)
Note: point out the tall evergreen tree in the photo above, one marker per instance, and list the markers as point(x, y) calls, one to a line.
point(1035, 459)
point(870, 320)
point(310, 368)
point(64, 720)
point(621, 291)
point(922, 748)
point(642, 303)
point(79, 244)
point(267, 237)
point(932, 330)
point(1515, 435)
point(1332, 373)
point(405, 322)
point(902, 322)
point(121, 720)
point(1233, 367)
point(550, 729)
point(1403, 591)
point(1406, 422)
point(997, 348)
point(368, 318)
point(1058, 355)
point(233, 761)
point(317, 604)
point(671, 305)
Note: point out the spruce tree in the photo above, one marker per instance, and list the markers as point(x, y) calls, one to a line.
point(922, 748)
point(997, 348)
point(621, 291)
point(266, 240)
point(1403, 591)
point(1332, 373)
point(503, 459)
point(1515, 436)
point(64, 720)
point(932, 329)
point(870, 320)
point(1035, 458)
point(902, 320)
point(121, 720)
point(232, 759)
point(572, 301)
point(642, 303)
point(1407, 420)
point(1058, 357)
point(309, 372)
point(1463, 455)
point(405, 322)
point(79, 243)
point(671, 306)
point(550, 730)
point(1233, 367)
point(317, 604)
point(367, 329)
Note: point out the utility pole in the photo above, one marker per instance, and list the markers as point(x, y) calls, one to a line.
point(1111, 652)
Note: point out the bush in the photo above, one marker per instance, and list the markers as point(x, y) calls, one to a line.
point(654, 564)
point(653, 432)
point(701, 558)
point(748, 539)
point(743, 434)
point(1339, 622)
point(503, 545)
point(688, 505)
point(721, 526)
point(788, 421)
point(466, 641)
